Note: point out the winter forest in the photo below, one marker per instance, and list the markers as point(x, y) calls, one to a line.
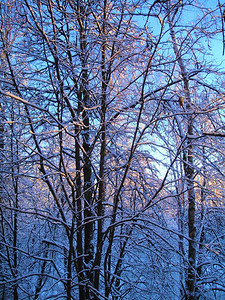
point(112, 149)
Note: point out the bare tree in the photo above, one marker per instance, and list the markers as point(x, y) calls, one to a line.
point(108, 163)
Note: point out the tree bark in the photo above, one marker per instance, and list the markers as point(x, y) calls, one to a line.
point(189, 169)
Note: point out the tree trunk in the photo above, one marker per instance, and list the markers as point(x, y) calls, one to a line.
point(188, 167)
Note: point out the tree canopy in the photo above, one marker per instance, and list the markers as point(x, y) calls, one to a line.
point(112, 149)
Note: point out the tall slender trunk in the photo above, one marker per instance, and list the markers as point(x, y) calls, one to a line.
point(202, 214)
point(14, 173)
point(84, 103)
point(180, 205)
point(101, 195)
point(189, 173)
point(189, 169)
point(80, 263)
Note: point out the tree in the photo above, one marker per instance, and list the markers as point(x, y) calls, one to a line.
point(107, 172)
